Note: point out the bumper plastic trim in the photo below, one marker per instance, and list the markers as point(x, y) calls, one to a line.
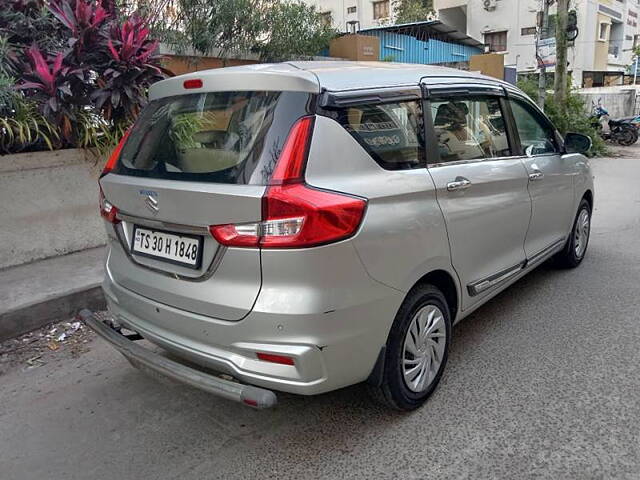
point(145, 359)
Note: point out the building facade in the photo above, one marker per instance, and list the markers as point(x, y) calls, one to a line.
point(345, 15)
point(608, 31)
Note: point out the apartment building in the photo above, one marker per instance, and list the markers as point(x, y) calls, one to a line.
point(608, 31)
point(359, 14)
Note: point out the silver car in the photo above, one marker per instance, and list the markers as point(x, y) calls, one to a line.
point(305, 226)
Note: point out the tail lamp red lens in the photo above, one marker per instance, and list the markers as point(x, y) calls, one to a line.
point(274, 358)
point(108, 211)
point(295, 215)
point(115, 155)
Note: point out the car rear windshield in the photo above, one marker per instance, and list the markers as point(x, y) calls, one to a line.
point(221, 137)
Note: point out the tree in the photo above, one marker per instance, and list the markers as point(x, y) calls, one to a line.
point(274, 29)
point(408, 11)
point(295, 30)
point(561, 80)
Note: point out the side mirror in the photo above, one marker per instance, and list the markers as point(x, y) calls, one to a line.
point(577, 143)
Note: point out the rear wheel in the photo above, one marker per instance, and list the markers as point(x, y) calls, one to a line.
point(627, 136)
point(417, 349)
point(576, 248)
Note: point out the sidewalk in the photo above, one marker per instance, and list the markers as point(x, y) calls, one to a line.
point(37, 293)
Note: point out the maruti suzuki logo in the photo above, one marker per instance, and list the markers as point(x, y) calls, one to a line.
point(150, 200)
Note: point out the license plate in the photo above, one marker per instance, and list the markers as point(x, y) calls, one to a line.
point(179, 249)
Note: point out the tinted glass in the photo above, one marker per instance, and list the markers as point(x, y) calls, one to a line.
point(222, 137)
point(537, 136)
point(469, 128)
point(390, 132)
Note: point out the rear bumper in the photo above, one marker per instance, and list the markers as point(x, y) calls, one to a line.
point(150, 361)
point(331, 348)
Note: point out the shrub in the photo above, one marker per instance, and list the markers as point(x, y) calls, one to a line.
point(72, 73)
point(576, 120)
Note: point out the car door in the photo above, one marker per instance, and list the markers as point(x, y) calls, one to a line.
point(480, 186)
point(550, 179)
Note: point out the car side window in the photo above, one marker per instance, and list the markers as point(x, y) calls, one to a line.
point(537, 136)
point(392, 133)
point(469, 128)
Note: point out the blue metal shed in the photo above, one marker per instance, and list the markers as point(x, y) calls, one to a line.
point(429, 42)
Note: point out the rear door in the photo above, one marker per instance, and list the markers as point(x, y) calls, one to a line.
point(550, 179)
point(481, 186)
point(192, 161)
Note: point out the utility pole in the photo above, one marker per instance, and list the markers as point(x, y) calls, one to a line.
point(542, 34)
point(560, 82)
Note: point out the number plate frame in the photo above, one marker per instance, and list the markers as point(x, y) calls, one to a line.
point(198, 238)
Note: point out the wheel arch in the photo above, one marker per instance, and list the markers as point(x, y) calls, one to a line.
point(446, 283)
point(588, 196)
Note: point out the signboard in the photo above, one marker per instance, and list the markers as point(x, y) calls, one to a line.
point(547, 52)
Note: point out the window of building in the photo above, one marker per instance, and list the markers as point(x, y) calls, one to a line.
point(603, 32)
point(380, 9)
point(537, 136)
point(391, 132)
point(496, 41)
point(326, 18)
point(528, 31)
point(352, 9)
point(469, 129)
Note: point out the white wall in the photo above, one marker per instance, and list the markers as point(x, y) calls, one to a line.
point(340, 17)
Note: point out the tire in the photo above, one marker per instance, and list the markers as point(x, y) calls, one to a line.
point(571, 256)
point(626, 137)
point(395, 391)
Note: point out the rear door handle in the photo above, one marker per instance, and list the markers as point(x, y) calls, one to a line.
point(537, 175)
point(460, 183)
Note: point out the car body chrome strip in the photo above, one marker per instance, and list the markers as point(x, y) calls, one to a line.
point(484, 284)
point(159, 224)
point(545, 252)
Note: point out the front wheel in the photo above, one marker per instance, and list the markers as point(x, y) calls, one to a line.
point(576, 248)
point(416, 350)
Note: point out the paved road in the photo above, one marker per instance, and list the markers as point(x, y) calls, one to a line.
point(543, 382)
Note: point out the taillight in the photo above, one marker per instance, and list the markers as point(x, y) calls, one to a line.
point(115, 155)
point(107, 210)
point(295, 215)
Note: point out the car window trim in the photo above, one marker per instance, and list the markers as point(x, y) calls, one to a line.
point(372, 96)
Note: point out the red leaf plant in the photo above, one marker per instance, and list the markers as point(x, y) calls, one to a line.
point(47, 81)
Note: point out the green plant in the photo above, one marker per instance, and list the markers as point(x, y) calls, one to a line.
point(296, 30)
point(74, 71)
point(577, 116)
point(408, 11)
point(274, 29)
point(184, 127)
point(25, 128)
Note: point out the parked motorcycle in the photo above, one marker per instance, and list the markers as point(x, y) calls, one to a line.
point(622, 131)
